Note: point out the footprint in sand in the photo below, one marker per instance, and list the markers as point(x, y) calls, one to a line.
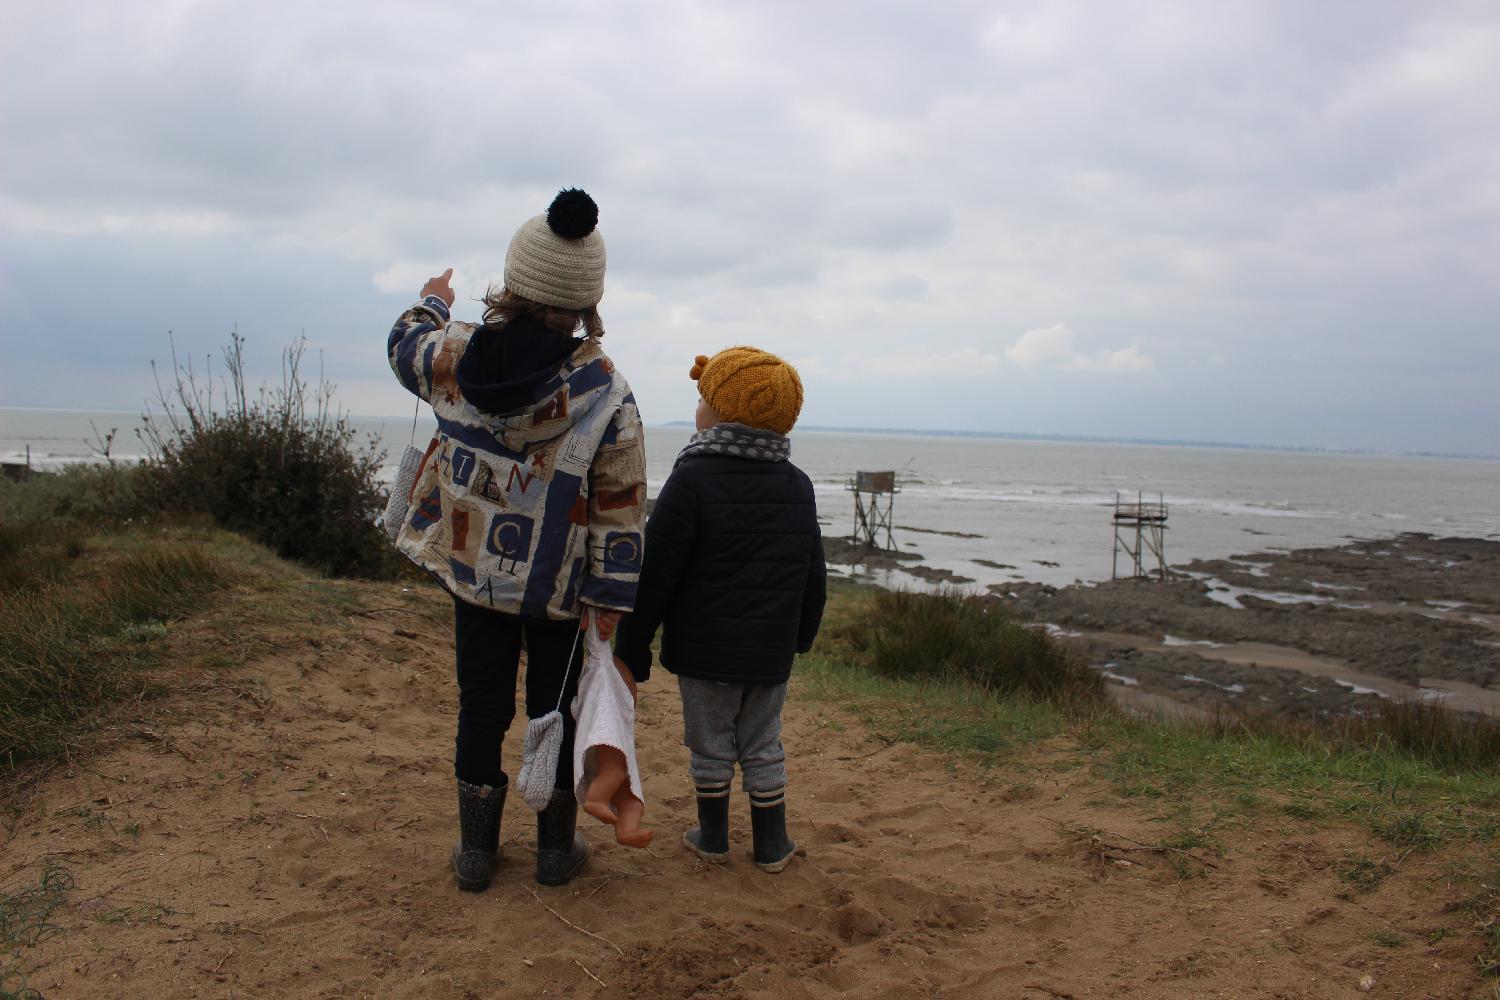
point(855, 924)
point(838, 833)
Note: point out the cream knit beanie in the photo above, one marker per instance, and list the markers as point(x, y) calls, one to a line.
point(558, 258)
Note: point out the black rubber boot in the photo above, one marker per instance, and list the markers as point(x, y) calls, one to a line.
point(478, 849)
point(710, 838)
point(773, 848)
point(560, 848)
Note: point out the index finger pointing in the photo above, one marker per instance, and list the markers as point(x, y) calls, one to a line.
point(448, 274)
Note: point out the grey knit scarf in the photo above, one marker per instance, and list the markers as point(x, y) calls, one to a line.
point(740, 441)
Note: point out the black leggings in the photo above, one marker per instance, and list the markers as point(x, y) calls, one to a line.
point(488, 646)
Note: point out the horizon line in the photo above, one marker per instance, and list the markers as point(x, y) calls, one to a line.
point(998, 435)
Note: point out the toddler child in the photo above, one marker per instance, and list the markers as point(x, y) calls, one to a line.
point(735, 579)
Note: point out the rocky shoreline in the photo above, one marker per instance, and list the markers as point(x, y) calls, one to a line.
point(1309, 633)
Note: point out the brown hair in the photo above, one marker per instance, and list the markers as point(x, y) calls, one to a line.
point(501, 305)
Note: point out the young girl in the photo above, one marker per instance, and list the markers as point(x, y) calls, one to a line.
point(528, 505)
point(735, 579)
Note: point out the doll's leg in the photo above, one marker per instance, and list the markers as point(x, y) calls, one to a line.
point(610, 774)
point(628, 829)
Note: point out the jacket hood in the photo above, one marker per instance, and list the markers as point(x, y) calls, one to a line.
point(508, 371)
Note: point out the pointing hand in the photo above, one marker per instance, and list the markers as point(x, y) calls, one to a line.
point(439, 286)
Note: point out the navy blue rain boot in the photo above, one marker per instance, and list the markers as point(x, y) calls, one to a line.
point(710, 838)
point(773, 848)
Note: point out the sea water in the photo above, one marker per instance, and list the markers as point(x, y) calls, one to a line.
point(1040, 509)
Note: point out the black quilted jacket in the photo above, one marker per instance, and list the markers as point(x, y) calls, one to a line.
point(734, 574)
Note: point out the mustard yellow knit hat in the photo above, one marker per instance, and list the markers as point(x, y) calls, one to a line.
point(746, 385)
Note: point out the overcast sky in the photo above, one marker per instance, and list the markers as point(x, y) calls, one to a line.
point(1260, 222)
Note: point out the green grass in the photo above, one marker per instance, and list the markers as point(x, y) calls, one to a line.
point(1365, 874)
point(96, 497)
point(928, 712)
point(28, 561)
point(1423, 730)
point(76, 643)
point(90, 589)
point(1301, 810)
point(88, 609)
point(1408, 829)
point(25, 920)
point(87, 604)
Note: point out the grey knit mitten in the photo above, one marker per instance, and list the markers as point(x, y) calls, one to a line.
point(539, 759)
point(395, 505)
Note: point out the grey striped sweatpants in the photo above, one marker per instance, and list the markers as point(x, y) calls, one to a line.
point(724, 724)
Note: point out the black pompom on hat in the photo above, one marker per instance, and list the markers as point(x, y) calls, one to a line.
point(558, 258)
point(572, 214)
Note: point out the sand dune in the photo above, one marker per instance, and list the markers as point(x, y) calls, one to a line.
point(283, 830)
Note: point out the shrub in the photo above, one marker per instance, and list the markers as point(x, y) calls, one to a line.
point(283, 467)
point(91, 497)
point(955, 636)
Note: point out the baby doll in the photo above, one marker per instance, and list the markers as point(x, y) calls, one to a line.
point(608, 783)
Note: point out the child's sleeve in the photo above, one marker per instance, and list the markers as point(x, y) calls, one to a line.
point(670, 535)
point(617, 513)
point(814, 594)
point(414, 342)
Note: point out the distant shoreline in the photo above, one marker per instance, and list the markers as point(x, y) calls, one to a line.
point(1138, 441)
point(978, 434)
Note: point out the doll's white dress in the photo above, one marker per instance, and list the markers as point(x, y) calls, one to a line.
point(605, 715)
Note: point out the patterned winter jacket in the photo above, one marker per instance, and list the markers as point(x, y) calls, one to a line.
point(530, 512)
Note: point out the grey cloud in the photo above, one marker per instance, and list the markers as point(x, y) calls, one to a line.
point(907, 286)
point(1240, 181)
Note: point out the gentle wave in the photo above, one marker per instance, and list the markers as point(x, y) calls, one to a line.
point(48, 462)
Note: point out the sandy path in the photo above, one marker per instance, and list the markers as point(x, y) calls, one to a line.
point(294, 822)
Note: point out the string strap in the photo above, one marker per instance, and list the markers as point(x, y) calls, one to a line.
point(569, 668)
